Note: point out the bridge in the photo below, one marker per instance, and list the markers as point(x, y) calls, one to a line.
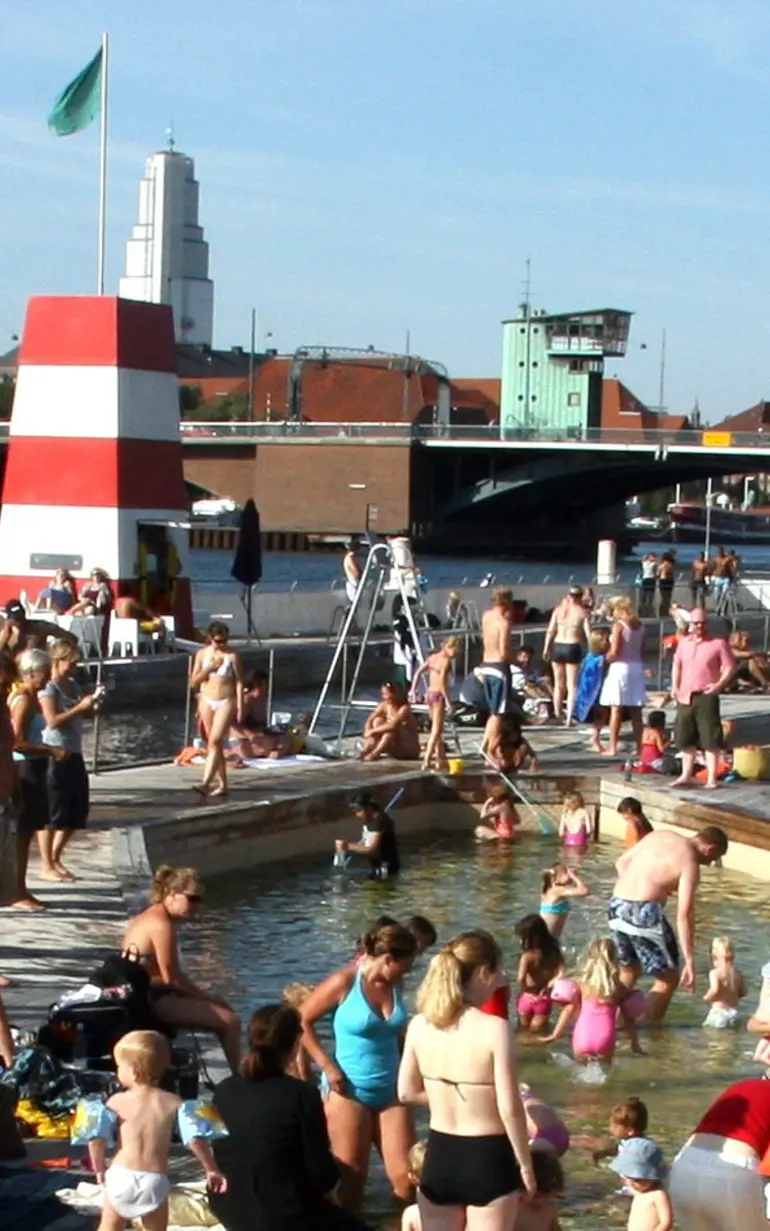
point(457, 484)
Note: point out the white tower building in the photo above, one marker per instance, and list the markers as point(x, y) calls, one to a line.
point(167, 258)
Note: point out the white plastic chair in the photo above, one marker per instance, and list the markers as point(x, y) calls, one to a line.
point(126, 638)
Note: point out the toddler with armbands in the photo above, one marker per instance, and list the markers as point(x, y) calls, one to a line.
point(602, 998)
point(142, 1117)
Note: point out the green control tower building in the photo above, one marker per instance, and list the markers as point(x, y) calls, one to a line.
point(553, 367)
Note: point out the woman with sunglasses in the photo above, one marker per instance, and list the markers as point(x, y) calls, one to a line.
point(151, 938)
point(217, 675)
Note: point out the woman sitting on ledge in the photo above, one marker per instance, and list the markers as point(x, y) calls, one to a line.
point(391, 728)
point(174, 998)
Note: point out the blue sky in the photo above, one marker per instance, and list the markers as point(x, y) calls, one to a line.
point(369, 166)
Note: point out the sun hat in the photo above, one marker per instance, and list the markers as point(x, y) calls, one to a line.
point(639, 1158)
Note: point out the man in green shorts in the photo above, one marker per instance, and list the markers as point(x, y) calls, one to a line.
point(703, 665)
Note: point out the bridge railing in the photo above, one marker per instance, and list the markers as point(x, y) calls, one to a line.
point(238, 431)
point(492, 432)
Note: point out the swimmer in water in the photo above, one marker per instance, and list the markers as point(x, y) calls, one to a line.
point(637, 825)
point(627, 1119)
point(547, 1132)
point(437, 668)
point(499, 817)
point(727, 986)
point(378, 838)
point(602, 994)
point(560, 886)
point(575, 825)
point(541, 962)
point(410, 1219)
point(295, 996)
point(541, 1212)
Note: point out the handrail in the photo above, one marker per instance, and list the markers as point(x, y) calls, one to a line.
point(490, 432)
point(238, 431)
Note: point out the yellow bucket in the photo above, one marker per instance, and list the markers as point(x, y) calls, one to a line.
point(455, 765)
point(753, 764)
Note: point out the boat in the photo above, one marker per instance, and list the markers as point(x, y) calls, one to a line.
point(688, 524)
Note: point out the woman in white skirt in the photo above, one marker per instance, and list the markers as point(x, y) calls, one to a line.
point(717, 1181)
point(623, 686)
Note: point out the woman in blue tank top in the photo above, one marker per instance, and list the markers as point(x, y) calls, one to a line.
point(359, 1079)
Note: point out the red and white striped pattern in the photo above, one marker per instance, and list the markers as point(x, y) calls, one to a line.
point(94, 447)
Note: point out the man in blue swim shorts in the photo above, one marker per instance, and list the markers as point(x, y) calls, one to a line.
point(660, 864)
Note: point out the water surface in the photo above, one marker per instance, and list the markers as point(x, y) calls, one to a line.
point(298, 921)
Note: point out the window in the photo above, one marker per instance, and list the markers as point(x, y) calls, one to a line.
point(573, 399)
point(521, 363)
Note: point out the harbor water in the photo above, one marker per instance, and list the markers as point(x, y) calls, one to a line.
point(158, 730)
point(298, 921)
point(319, 570)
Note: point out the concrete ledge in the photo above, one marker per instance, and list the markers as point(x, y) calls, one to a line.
point(749, 836)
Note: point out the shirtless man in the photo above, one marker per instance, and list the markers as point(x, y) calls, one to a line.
point(664, 863)
point(19, 632)
point(495, 669)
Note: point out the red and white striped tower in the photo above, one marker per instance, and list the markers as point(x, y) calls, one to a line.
point(93, 477)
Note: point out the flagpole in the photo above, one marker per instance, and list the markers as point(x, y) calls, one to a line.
point(103, 167)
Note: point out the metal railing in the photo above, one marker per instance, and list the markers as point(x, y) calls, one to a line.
point(237, 431)
point(491, 433)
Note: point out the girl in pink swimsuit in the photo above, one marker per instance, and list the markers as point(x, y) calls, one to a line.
point(603, 998)
point(575, 826)
point(541, 962)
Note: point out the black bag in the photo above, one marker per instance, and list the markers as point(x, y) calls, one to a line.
point(123, 970)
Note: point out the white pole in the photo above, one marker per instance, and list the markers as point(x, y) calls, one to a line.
point(707, 545)
point(103, 169)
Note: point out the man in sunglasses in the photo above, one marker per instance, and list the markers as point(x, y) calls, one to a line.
point(703, 665)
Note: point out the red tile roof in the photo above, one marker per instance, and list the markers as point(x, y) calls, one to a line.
point(751, 420)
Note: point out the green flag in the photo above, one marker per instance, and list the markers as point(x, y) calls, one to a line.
point(78, 104)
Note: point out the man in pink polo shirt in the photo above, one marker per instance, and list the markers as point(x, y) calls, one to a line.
point(702, 667)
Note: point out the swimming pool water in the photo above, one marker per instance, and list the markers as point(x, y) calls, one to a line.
point(298, 920)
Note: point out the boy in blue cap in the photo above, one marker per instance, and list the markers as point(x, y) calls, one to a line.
point(640, 1163)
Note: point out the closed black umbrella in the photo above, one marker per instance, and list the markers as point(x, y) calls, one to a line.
point(247, 565)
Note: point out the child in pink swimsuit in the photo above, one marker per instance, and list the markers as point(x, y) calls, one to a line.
point(602, 999)
point(541, 962)
point(575, 825)
point(499, 817)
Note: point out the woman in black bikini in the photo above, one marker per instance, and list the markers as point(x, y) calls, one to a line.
point(152, 937)
point(461, 1062)
point(565, 642)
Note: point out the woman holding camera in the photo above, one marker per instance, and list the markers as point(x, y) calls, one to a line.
point(64, 705)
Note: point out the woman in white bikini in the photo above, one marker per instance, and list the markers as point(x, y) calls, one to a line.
point(217, 676)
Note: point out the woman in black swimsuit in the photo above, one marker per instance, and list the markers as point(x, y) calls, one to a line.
point(461, 1062)
point(152, 937)
point(564, 646)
